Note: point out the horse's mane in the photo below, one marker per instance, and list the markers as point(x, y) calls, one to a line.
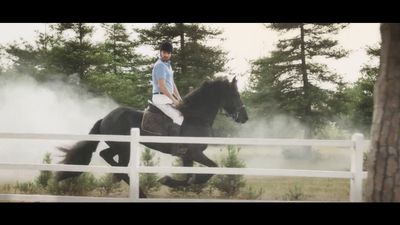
point(208, 91)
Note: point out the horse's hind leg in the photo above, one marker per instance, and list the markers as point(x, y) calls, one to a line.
point(123, 151)
point(108, 155)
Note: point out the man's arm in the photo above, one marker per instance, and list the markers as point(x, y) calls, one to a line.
point(164, 90)
point(176, 92)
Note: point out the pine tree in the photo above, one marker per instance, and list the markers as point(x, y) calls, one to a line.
point(192, 60)
point(289, 80)
point(149, 181)
point(24, 56)
point(361, 94)
point(122, 58)
point(123, 75)
point(43, 179)
point(197, 189)
point(76, 54)
point(56, 52)
point(230, 185)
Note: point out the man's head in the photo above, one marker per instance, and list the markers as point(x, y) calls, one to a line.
point(165, 51)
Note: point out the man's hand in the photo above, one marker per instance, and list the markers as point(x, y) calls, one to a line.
point(177, 103)
point(177, 97)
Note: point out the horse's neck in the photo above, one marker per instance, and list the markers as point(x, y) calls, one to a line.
point(205, 110)
point(211, 113)
point(206, 113)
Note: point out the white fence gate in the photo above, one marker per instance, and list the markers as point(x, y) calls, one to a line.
point(356, 173)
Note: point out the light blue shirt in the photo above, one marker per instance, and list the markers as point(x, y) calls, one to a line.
point(163, 70)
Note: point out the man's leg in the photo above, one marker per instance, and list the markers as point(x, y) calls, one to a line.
point(177, 149)
point(172, 113)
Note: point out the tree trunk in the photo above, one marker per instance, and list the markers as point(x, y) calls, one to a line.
point(182, 53)
point(182, 46)
point(306, 87)
point(81, 36)
point(114, 50)
point(182, 39)
point(383, 183)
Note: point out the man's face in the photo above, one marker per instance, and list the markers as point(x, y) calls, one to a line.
point(165, 56)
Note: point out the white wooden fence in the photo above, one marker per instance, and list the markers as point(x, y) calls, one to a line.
point(357, 145)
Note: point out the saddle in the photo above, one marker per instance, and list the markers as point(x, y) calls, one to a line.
point(155, 121)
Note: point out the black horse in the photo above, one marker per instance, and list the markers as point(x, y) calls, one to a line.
point(199, 109)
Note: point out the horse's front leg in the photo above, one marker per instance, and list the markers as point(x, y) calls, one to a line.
point(199, 157)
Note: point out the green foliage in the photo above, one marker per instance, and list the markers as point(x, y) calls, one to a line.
point(77, 54)
point(6, 188)
point(66, 51)
point(295, 193)
point(106, 184)
point(26, 187)
point(192, 61)
point(252, 193)
point(361, 95)
point(123, 75)
point(149, 181)
point(80, 185)
point(289, 80)
point(192, 188)
point(119, 50)
point(44, 177)
point(123, 89)
point(54, 54)
point(333, 131)
point(230, 185)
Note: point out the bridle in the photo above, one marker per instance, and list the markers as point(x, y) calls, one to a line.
point(235, 114)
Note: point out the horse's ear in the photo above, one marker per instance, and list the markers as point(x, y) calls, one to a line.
point(234, 80)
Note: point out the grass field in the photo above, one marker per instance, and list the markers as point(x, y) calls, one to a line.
point(272, 188)
point(262, 188)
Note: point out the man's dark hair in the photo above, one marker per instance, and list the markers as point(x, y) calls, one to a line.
point(166, 46)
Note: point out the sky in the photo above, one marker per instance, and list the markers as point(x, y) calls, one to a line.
point(243, 42)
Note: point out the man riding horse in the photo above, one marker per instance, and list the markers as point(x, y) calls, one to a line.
point(166, 96)
point(195, 118)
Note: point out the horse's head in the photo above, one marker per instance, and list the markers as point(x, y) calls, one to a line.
point(210, 96)
point(232, 103)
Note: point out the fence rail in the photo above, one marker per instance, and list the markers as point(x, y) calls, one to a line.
point(356, 174)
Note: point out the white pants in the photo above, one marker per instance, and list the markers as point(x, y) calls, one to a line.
point(166, 105)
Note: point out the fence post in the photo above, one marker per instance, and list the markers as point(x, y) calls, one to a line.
point(134, 164)
point(357, 168)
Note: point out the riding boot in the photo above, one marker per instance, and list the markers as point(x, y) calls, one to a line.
point(177, 149)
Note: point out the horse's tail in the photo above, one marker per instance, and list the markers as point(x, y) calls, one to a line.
point(79, 154)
